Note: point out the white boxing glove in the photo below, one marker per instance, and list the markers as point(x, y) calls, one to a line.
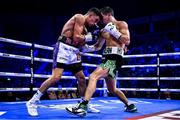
point(111, 28)
point(88, 37)
point(91, 48)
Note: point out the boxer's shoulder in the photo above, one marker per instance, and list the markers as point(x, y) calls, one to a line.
point(122, 24)
point(79, 17)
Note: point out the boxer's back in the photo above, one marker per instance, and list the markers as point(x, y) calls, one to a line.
point(68, 28)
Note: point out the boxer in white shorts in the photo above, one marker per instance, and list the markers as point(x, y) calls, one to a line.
point(66, 54)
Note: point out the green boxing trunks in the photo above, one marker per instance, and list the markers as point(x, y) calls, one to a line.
point(112, 60)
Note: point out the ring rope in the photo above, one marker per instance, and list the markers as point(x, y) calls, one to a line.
point(85, 54)
point(58, 89)
point(83, 64)
point(72, 77)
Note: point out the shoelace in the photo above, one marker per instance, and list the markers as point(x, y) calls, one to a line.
point(77, 105)
point(35, 104)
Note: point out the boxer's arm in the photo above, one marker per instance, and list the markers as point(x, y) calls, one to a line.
point(99, 44)
point(122, 35)
point(96, 47)
point(78, 28)
point(125, 34)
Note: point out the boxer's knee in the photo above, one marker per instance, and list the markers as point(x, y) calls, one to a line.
point(112, 90)
point(55, 78)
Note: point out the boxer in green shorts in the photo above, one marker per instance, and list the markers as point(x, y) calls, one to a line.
point(112, 60)
point(117, 37)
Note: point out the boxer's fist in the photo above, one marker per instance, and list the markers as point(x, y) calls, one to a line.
point(92, 36)
point(88, 37)
point(95, 32)
point(111, 28)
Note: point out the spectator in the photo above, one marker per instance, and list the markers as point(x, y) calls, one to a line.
point(52, 95)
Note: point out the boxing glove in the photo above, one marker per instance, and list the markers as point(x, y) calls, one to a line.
point(95, 32)
point(88, 37)
point(111, 28)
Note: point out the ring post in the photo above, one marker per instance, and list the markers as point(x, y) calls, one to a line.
point(105, 92)
point(158, 76)
point(32, 68)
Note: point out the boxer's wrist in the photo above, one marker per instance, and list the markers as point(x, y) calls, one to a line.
point(116, 34)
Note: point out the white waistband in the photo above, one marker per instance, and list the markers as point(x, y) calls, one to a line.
point(69, 48)
point(113, 50)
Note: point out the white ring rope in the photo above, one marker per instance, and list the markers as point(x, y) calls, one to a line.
point(133, 66)
point(43, 60)
point(9, 74)
point(85, 54)
point(91, 55)
point(169, 65)
point(141, 55)
point(83, 64)
point(170, 78)
point(15, 56)
point(169, 54)
point(15, 42)
point(43, 47)
point(15, 74)
point(59, 89)
point(136, 78)
point(89, 65)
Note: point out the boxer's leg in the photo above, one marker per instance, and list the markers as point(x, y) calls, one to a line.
point(94, 77)
point(81, 83)
point(76, 69)
point(56, 74)
point(111, 85)
point(106, 68)
point(81, 109)
point(31, 104)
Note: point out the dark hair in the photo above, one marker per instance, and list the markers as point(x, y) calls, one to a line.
point(106, 10)
point(96, 11)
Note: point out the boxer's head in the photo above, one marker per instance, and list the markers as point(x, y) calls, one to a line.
point(107, 13)
point(93, 16)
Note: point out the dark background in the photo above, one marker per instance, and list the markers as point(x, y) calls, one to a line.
point(35, 20)
point(123, 8)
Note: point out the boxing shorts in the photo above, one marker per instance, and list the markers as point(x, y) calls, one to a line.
point(112, 59)
point(66, 56)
